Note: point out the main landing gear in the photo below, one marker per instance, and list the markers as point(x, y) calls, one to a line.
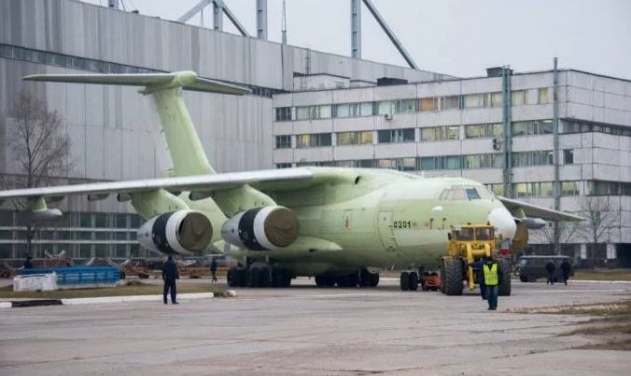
point(362, 278)
point(259, 276)
point(408, 281)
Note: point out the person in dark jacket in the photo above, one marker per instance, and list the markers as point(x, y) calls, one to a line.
point(493, 276)
point(566, 268)
point(477, 266)
point(28, 263)
point(213, 270)
point(169, 275)
point(550, 269)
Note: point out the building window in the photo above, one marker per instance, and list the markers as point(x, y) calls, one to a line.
point(283, 142)
point(313, 140)
point(363, 163)
point(447, 162)
point(405, 106)
point(540, 189)
point(313, 112)
point(531, 127)
point(429, 104)
point(569, 188)
point(518, 98)
point(484, 130)
point(568, 156)
point(283, 165)
point(6, 218)
point(533, 158)
point(495, 99)
point(283, 114)
point(542, 96)
point(450, 132)
point(384, 108)
point(354, 138)
point(353, 109)
point(475, 100)
point(396, 136)
point(401, 164)
point(450, 103)
point(476, 161)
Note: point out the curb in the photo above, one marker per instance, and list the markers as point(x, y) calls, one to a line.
point(104, 300)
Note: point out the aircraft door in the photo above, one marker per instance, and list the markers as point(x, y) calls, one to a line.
point(386, 231)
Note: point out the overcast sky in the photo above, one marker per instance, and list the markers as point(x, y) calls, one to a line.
point(457, 37)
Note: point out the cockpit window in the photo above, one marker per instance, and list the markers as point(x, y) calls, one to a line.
point(465, 193)
point(472, 194)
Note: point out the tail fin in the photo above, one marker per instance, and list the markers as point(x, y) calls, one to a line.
point(185, 147)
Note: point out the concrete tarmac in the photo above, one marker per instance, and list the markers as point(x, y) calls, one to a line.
point(305, 330)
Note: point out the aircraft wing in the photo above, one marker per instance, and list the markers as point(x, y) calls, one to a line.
point(538, 211)
point(279, 179)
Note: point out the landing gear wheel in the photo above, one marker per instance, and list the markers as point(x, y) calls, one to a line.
point(504, 288)
point(234, 277)
point(324, 281)
point(523, 278)
point(374, 280)
point(452, 276)
point(413, 281)
point(264, 277)
point(255, 278)
point(404, 281)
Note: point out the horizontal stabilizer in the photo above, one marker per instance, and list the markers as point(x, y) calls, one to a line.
point(152, 82)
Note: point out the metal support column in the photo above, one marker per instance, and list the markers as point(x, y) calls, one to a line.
point(218, 15)
point(261, 19)
point(508, 134)
point(556, 154)
point(356, 29)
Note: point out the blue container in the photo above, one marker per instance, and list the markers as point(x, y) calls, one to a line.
point(80, 275)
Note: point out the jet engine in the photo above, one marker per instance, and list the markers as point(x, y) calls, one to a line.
point(266, 228)
point(178, 232)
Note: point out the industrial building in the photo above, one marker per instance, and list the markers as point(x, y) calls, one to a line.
point(503, 130)
point(306, 108)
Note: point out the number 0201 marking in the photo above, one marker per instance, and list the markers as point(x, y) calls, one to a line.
point(402, 224)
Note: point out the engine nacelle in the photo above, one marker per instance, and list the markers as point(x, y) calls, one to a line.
point(178, 232)
point(259, 229)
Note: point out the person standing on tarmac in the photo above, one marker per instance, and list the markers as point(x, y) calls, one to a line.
point(566, 268)
point(493, 275)
point(478, 265)
point(213, 270)
point(169, 275)
point(550, 268)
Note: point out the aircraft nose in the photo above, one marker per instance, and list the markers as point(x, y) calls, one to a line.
point(503, 221)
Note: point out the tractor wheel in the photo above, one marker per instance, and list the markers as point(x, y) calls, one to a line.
point(452, 276)
point(404, 281)
point(504, 288)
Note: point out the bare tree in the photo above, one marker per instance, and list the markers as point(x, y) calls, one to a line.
point(564, 233)
point(599, 215)
point(40, 148)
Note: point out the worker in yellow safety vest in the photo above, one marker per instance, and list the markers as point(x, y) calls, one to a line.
point(493, 276)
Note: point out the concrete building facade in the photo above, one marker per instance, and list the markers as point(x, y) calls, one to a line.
point(476, 128)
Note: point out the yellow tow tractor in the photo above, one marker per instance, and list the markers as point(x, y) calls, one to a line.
point(468, 244)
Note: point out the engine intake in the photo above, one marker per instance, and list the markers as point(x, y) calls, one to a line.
point(178, 232)
point(259, 229)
